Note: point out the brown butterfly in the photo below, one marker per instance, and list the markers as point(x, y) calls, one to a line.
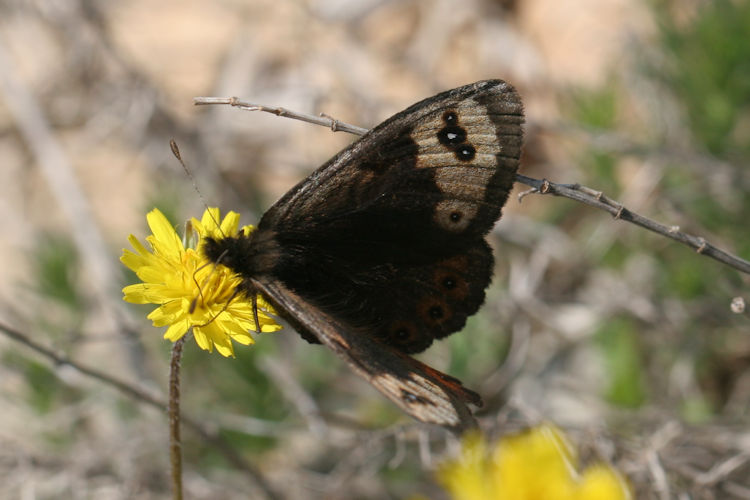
point(382, 249)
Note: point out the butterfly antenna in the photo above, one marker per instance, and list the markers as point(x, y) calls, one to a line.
point(194, 303)
point(176, 153)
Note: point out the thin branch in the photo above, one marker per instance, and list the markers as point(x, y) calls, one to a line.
point(575, 192)
point(323, 120)
point(599, 200)
point(211, 437)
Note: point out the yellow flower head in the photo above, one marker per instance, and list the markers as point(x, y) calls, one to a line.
point(535, 465)
point(192, 291)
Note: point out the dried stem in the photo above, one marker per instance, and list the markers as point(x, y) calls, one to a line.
point(175, 443)
point(575, 192)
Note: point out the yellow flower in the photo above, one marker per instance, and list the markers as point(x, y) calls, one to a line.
point(191, 290)
point(535, 465)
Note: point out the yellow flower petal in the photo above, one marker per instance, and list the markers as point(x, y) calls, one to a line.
point(600, 481)
point(164, 234)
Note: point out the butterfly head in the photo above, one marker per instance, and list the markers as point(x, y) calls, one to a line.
point(231, 251)
point(248, 254)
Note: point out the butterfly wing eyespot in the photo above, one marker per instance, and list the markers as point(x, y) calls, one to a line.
point(405, 336)
point(450, 117)
point(436, 311)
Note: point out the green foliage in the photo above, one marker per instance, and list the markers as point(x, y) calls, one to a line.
point(708, 69)
point(55, 263)
point(696, 409)
point(594, 108)
point(44, 389)
point(619, 342)
point(480, 346)
point(597, 110)
point(241, 386)
point(54, 276)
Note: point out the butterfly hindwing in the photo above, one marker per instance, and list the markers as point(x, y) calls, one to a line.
point(423, 392)
point(427, 301)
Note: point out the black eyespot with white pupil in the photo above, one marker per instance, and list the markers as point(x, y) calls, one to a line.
point(454, 137)
point(456, 216)
point(401, 334)
point(450, 117)
point(449, 282)
point(436, 312)
point(466, 152)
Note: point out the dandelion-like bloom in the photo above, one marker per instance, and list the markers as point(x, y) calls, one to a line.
point(192, 291)
point(535, 465)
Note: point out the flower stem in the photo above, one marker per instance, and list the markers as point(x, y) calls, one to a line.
point(175, 444)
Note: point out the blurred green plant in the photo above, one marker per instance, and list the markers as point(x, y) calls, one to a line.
point(705, 66)
point(54, 268)
point(708, 70)
point(619, 341)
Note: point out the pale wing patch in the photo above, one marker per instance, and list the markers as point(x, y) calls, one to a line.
point(418, 396)
point(464, 182)
point(461, 143)
point(454, 215)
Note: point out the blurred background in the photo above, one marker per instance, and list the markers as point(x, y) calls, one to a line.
point(623, 338)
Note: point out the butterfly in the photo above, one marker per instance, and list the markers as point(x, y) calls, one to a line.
point(382, 249)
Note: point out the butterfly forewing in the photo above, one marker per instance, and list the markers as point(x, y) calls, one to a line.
point(445, 163)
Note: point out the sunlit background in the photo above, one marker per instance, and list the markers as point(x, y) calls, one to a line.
point(623, 338)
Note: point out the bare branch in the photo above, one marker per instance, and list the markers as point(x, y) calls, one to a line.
point(323, 120)
point(599, 200)
point(575, 192)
